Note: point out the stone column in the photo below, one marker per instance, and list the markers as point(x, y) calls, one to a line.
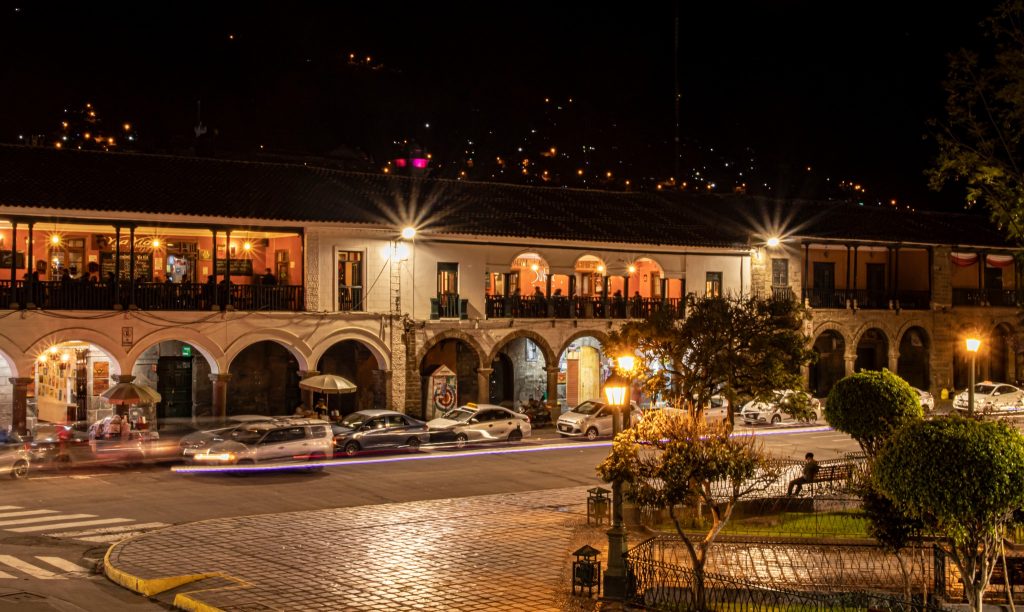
point(19, 416)
point(307, 395)
point(552, 403)
point(220, 395)
point(894, 360)
point(850, 359)
point(483, 384)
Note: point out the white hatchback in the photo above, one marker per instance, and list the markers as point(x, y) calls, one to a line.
point(755, 412)
point(592, 419)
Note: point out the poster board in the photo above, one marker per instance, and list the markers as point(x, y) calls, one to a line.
point(143, 265)
point(444, 390)
point(239, 267)
point(100, 377)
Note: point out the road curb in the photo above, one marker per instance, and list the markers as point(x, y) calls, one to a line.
point(152, 586)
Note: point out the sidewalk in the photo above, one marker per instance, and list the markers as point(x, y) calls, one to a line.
point(507, 552)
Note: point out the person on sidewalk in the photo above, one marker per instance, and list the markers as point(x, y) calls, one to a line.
point(809, 472)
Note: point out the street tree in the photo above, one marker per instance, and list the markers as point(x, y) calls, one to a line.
point(675, 462)
point(870, 406)
point(980, 137)
point(740, 347)
point(964, 478)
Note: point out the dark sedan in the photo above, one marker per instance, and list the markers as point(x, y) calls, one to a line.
point(371, 430)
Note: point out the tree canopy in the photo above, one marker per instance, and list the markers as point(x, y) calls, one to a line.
point(740, 347)
point(870, 406)
point(964, 478)
point(981, 135)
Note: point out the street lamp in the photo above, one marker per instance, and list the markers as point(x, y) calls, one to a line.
point(973, 344)
point(615, 390)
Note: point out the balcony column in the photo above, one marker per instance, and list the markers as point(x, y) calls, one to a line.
point(931, 275)
point(214, 298)
point(306, 394)
point(849, 292)
point(982, 298)
point(896, 279)
point(888, 275)
point(117, 267)
point(227, 270)
point(14, 266)
point(552, 390)
point(855, 277)
point(803, 279)
point(220, 395)
point(19, 413)
point(483, 384)
point(30, 264)
point(131, 268)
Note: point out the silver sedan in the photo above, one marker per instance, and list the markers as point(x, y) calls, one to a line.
point(479, 423)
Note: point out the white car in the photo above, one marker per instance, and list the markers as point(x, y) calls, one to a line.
point(927, 400)
point(479, 423)
point(992, 397)
point(285, 439)
point(755, 412)
point(592, 419)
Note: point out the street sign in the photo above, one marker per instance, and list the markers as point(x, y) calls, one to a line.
point(186, 351)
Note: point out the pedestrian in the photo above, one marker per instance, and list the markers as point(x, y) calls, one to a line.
point(320, 409)
point(113, 429)
point(810, 470)
point(268, 278)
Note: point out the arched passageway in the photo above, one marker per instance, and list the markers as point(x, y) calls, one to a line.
point(581, 371)
point(441, 393)
point(913, 364)
point(264, 380)
point(354, 361)
point(872, 351)
point(830, 366)
point(181, 375)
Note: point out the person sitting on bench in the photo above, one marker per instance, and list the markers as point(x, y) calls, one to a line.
point(809, 472)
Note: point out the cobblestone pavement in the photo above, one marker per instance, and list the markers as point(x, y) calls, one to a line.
point(495, 552)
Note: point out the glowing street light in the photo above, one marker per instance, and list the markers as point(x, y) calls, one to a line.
point(616, 390)
point(408, 233)
point(773, 242)
point(973, 344)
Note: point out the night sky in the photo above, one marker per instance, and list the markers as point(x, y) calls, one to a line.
point(841, 88)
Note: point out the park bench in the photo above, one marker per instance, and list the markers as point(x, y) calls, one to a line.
point(832, 476)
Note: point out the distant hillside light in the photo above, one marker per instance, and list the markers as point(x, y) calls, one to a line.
point(414, 159)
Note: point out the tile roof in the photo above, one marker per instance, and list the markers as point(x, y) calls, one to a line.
point(122, 184)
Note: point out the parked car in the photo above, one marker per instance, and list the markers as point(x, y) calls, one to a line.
point(927, 400)
point(60, 444)
point(479, 423)
point(760, 412)
point(278, 440)
point(592, 419)
point(379, 430)
point(992, 398)
point(15, 455)
point(194, 442)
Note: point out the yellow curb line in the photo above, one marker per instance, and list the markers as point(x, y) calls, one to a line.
point(153, 586)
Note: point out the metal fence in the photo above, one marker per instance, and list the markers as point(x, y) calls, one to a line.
point(762, 575)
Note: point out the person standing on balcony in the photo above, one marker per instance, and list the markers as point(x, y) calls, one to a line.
point(268, 278)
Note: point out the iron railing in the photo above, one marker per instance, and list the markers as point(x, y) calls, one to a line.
point(579, 307)
point(78, 295)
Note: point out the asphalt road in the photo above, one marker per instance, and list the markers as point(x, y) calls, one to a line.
point(84, 510)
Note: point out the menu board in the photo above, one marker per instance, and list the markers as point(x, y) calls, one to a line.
point(239, 267)
point(143, 265)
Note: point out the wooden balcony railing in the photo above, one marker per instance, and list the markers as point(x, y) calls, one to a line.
point(79, 295)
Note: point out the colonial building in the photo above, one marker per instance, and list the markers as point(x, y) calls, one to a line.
point(222, 283)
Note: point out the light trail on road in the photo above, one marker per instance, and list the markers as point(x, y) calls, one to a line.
point(221, 469)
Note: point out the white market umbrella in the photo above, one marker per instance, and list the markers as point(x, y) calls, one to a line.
point(330, 384)
point(127, 393)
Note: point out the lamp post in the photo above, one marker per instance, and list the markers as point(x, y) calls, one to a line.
point(615, 389)
point(973, 344)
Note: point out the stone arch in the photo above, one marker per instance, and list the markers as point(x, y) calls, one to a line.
point(1001, 354)
point(831, 347)
point(7, 351)
point(374, 344)
point(118, 360)
point(545, 348)
point(292, 343)
point(835, 326)
point(913, 363)
point(601, 337)
point(858, 334)
point(453, 334)
point(873, 348)
point(211, 352)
